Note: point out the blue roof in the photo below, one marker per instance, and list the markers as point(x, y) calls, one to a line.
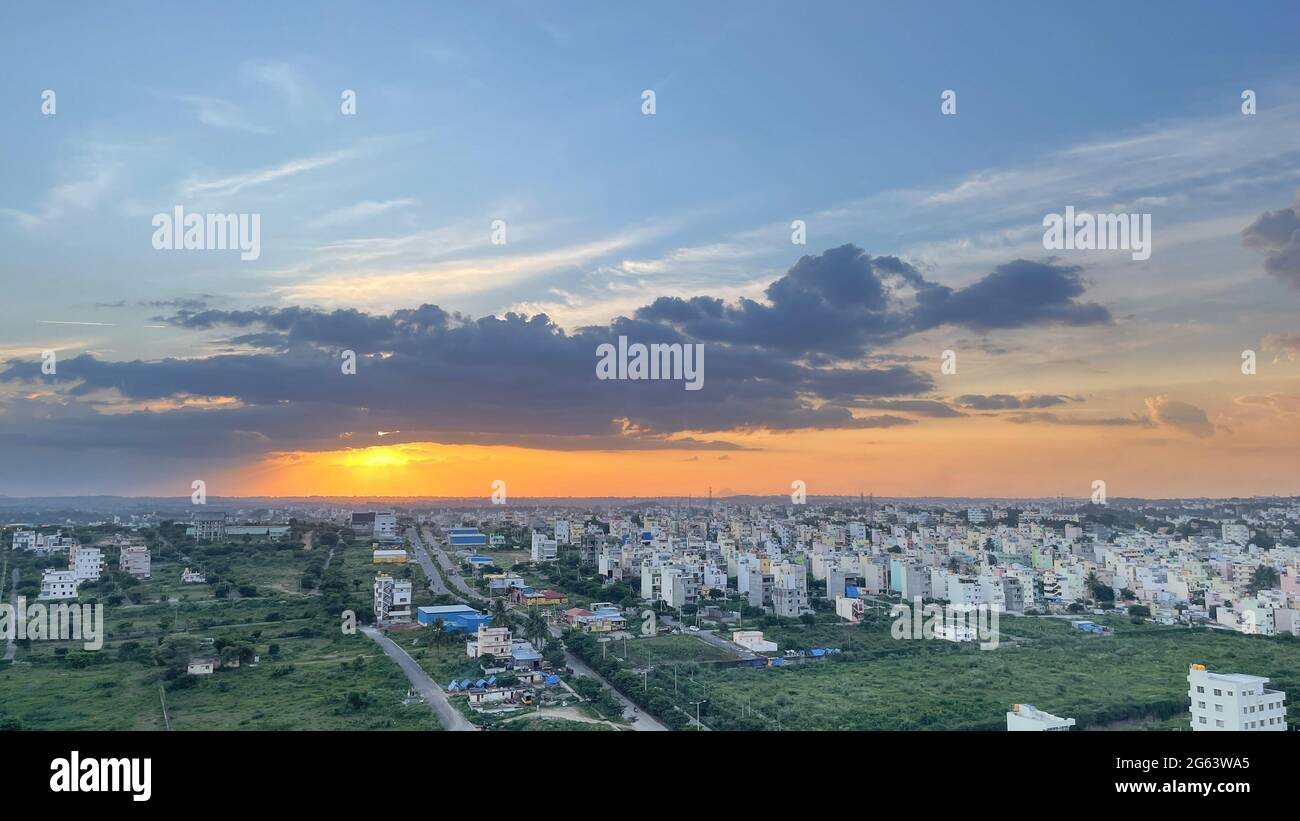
point(851, 590)
point(525, 655)
point(551, 681)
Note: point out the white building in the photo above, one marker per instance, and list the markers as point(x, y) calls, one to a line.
point(493, 641)
point(135, 560)
point(58, 584)
point(544, 549)
point(1233, 701)
point(385, 528)
point(392, 600)
point(86, 563)
point(562, 532)
point(753, 640)
point(1028, 717)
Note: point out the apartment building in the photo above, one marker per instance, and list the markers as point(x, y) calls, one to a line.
point(58, 584)
point(1234, 701)
point(392, 600)
point(135, 560)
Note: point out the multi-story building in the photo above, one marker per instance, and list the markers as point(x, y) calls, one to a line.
point(392, 600)
point(489, 641)
point(790, 602)
point(208, 525)
point(134, 560)
point(58, 584)
point(86, 563)
point(544, 549)
point(1234, 701)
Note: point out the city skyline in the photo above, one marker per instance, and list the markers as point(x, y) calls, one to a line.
point(823, 362)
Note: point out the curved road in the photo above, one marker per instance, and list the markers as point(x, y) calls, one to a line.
point(450, 717)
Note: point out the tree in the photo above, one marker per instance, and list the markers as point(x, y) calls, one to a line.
point(500, 615)
point(1264, 578)
point(535, 627)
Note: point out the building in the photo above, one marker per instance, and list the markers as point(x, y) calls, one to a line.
point(1234, 701)
point(86, 563)
point(544, 549)
point(466, 537)
point(385, 529)
point(392, 600)
point(1028, 717)
point(202, 666)
point(790, 602)
point(850, 609)
point(192, 577)
point(489, 641)
point(753, 641)
point(58, 584)
point(210, 526)
point(362, 523)
point(390, 556)
point(456, 618)
point(135, 560)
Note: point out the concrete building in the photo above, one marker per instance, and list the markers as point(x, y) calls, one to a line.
point(135, 560)
point(392, 600)
point(753, 640)
point(544, 549)
point(790, 602)
point(58, 584)
point(208, 525)
point(86, 563)
point(1027, 717)
point(1234, 701)
point(493, 641)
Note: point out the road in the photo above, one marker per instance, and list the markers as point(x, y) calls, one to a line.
point(449, 568)
point(433, 694)
point(436, 585)
point(11, 646)
point(640, 721)
point(709, 637)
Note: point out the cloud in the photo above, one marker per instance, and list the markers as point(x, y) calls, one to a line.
point(440, 376)
point(1046, 418)
point(1280, 402)
point(844, 301)
point(1179, 415)
point(1287, 345)
point(1003, 401)
point(1276, 234)
point(361, 210)
point(226, 186)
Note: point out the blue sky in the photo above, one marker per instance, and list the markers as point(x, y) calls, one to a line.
point(531, 113)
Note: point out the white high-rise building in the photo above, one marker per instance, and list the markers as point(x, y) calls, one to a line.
point(392, 600)
point(544, 549)
point(385, 529)
point(562, 532)
point(86, 564)
point(1234, 701)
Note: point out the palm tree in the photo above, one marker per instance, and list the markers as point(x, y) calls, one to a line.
point(535, 629)
point(500, 616)
point(1092, 583)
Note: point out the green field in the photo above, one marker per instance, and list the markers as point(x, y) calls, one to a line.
point(1135, 679)
point(275, 600)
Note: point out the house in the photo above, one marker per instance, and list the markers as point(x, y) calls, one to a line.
point(58, 584)
point(753, 641)
point(493, 641)
point(529, 596)
point(202, 665)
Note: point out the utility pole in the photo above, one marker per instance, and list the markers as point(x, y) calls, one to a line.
point(698, 725)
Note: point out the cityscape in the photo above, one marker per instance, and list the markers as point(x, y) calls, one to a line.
point(913, 374)
point(670, 614)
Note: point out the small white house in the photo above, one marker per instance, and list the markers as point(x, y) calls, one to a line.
point(202, 666)
point(753, 640)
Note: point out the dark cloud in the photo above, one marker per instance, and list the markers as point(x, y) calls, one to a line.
point(1276, 234)
point(803, 359)
point(1179, 415)
point(1004, 401)
point(1046, 418)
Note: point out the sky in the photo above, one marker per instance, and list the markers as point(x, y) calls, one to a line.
point(502, 202)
